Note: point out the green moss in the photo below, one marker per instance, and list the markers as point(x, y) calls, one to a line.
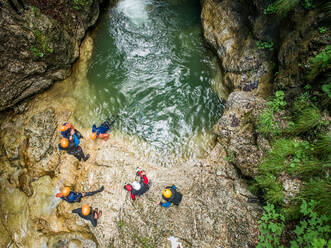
point(281, 7)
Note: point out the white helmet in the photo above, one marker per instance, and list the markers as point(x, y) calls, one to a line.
point(136, 185)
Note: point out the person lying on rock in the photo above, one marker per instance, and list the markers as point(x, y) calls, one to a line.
point(138, 188)
point(71, 146)
point(68, 130)
point(88, 213)
point(101, 131)
point(171, 196)
point(12, 4)
point(71, 196)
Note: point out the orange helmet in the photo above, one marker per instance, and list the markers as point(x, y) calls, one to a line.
point(93, 136)
point(86, 209)
point(64, 143)
point(65, 191)
point(63, 128)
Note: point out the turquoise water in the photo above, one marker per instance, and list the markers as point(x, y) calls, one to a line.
point(150, 66)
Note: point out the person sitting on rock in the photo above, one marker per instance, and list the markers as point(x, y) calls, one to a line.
point(138, 188)
point(68, 130)
point(88, 213)
point(101, 131)
point(171, 196)
point(71, 146)
point(71, 196)
point(12, 4)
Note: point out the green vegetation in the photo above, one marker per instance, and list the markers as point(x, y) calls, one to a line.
point(41, 46)
point(283, 7)
point(265, 45)
point(319, 63)
point(271, 228)
point(36, 11)
point(322, 30)
point(312, 231)
point(266, 123)
point(79, 4)
point(308, 4)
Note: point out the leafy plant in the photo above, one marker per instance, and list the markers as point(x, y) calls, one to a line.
point(308, 4)
point(271, 228)
point(281, 7)
point(78, 4)
point(322, 30)
point(319, 62)
point(313, 230)
point(40, 47)
point(36, 52)
point(265, 45)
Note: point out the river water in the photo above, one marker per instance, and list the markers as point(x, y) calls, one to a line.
point(150, 66)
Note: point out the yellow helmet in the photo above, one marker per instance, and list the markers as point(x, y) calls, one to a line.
point(86, 210)
point(66, 191)
point(167, 193)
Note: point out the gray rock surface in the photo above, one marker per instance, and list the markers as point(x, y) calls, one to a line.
point(38, 47)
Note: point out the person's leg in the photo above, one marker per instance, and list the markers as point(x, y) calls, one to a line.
point(12, 4)
point(81, 154)
point(93, 192)
point(104, 136)
point(22, 4)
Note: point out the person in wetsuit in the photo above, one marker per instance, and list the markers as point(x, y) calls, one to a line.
point(88, 213)
point(71, 146)
point(67, 130)
point(71, 196)
point(12, 4)
point(171, 196)
point(101, 131)
point(138, 188)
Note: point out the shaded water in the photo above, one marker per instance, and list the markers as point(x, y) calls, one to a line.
point(149, 65)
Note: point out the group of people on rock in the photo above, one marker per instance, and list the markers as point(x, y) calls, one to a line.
point(70, 143)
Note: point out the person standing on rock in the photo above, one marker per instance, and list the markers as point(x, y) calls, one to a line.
point(67, 130)
point(88, 213)
point(101, 131)
point(12, 4)
point(138, 188)
point(71, 146)
point(72, 196)
point(171, 196)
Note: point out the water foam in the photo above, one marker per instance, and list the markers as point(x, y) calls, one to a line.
point(135, 10)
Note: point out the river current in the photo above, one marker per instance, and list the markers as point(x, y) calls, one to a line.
point(150, 67)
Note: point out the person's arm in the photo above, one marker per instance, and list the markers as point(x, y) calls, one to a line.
point(132, 196)
point(76, 140)
point(143, 176)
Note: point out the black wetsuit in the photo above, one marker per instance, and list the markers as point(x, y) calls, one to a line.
point(76, 197)
point(89, 217)
point(77, 151)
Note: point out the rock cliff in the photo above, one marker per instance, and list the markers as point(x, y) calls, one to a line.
point(39, 46)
